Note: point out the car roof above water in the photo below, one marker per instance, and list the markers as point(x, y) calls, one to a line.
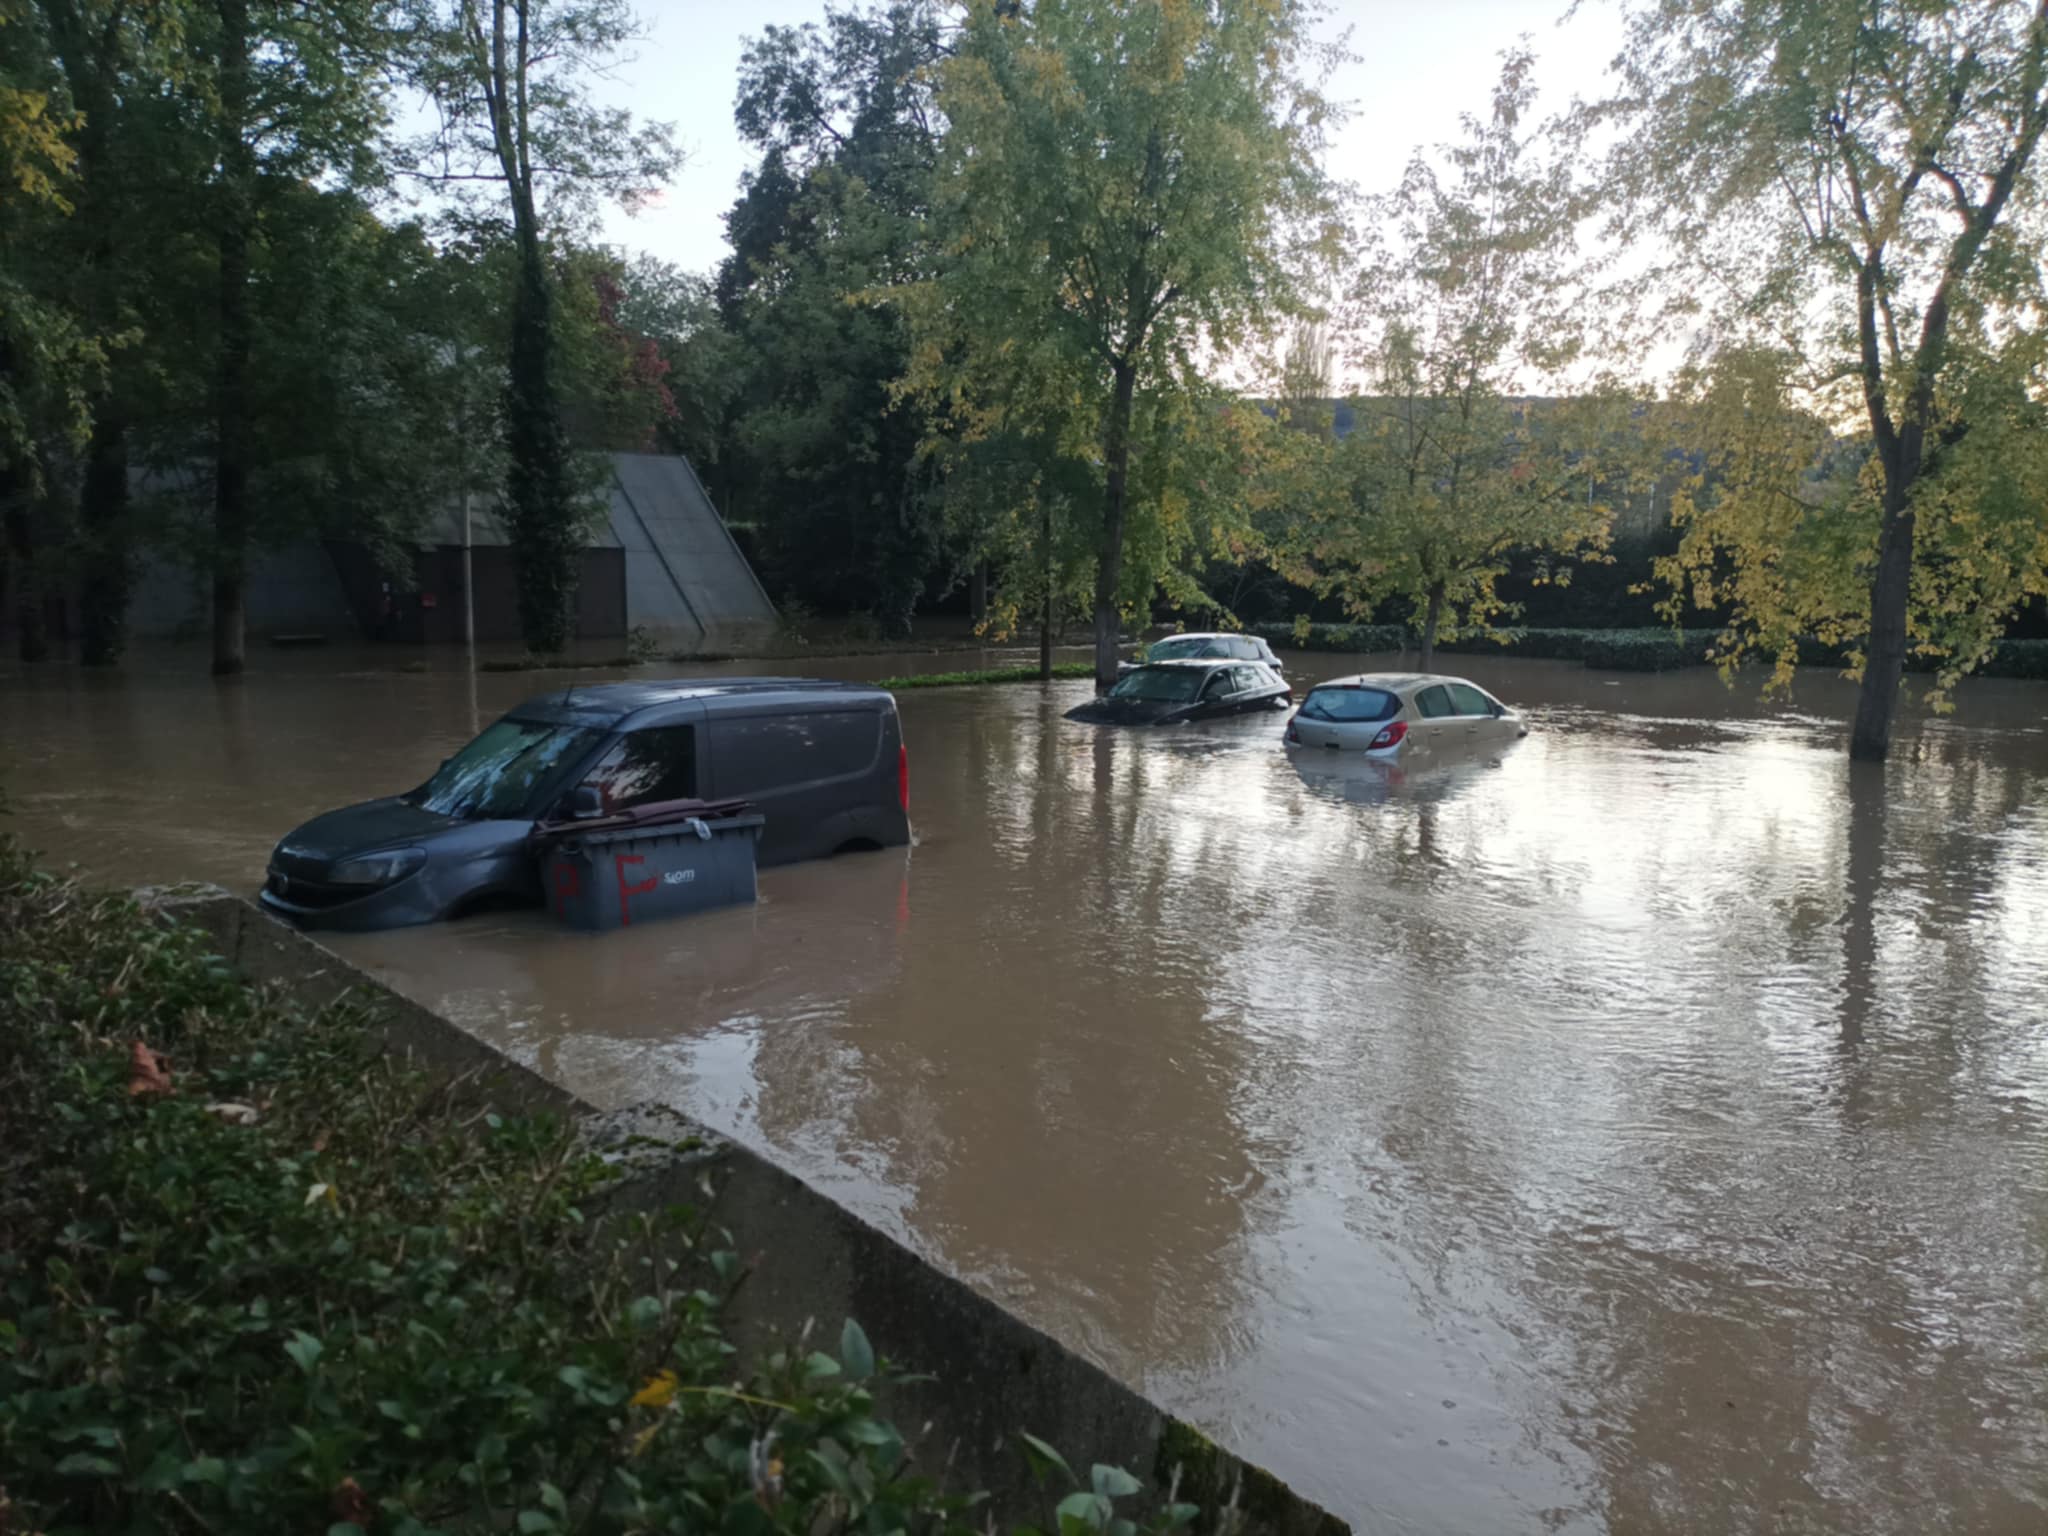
point(612, 705)
point(1392, 682)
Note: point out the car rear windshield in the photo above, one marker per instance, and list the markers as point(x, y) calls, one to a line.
point(1350, 703)
point(498, 773)
point(1168, 684)
point(1188, 650)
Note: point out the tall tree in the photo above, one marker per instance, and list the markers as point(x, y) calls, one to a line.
point(289, 92)
point(1856, 184)
point(510, 81)
point(1462, 310)
point(49, 360)
point(1136, 184)
point(825, 463)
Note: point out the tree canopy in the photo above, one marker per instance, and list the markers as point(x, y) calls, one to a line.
point(1851, 198)
point(1122, 191)
point(1462, 310)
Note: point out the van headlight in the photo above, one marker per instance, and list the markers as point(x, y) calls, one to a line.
point(377, 868)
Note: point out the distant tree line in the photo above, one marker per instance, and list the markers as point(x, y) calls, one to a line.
point(988, 270)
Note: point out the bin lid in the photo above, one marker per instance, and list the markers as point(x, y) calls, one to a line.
point(681, 829)
point(656, 813)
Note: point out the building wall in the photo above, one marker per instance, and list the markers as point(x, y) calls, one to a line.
point(432, 613)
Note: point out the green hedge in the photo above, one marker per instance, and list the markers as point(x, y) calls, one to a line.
point(1354, 638)
point(1620, 650)
point(2017, 658)
point(255, 1278)
point(1647, 650)
point(1060, 669)
point(2009, 658)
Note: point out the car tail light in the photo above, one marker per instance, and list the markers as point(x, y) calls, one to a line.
point(903, 777)
point(1293, 735)
point(1390, 736)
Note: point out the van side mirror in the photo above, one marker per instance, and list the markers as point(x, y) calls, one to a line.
point(583, 803)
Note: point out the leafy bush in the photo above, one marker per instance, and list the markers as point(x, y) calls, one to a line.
point(1064, 669)
point(2017, 658)
point(1536, 644)
point(1647, 650)
point(256, 1278)
point(1358, 639)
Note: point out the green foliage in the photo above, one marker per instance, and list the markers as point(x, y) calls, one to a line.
point(1625, 650)
point(1846, 202)
point(988, 675)
point(256, 1277)
point(1647, 650)
point(1464, 301)
point(1069, 308)
point(821, 459)
point(2017, 658)
point(1355, 638)
point(511, 86)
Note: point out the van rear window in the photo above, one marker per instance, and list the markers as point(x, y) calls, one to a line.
point(763, 752)
point(1355, 704)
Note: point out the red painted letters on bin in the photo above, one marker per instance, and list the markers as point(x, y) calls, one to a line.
point(619, 863)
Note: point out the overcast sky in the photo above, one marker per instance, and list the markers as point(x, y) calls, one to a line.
point(1420, 63)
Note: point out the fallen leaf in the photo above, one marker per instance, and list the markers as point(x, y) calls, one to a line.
point(642, 1440)
point(147, 1074)
point(351, 1504)
point(325, 1192)
point(240, 1114)
point(659, 1391)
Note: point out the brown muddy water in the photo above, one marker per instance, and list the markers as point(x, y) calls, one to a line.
point(1645, 1130)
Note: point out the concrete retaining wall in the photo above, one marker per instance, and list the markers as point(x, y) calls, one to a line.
point(812, 1261)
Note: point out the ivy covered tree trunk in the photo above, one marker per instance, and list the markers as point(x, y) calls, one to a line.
point(24, 581)
point(1045, 589)
point(1884, 660)
point(1109, 571)
point(547, 536)
point(231, 402)
point(104, 535)
point(1432, 616)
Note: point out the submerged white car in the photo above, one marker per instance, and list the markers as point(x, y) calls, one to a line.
point(1395, 715)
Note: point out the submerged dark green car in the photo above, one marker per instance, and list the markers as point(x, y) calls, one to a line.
point(1175, 692)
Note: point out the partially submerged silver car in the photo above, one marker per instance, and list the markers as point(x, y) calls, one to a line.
point(1208, 646)
point(1395, 716)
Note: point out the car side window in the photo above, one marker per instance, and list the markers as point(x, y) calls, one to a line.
point(1218, 684)
point(1250, 679)
point(1434, 702)
point(1244, 650)
point(1469, 700)
point(649, 766)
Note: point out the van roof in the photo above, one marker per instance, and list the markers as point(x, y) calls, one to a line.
point(611, 704)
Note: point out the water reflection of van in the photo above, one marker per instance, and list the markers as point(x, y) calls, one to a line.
point(824, 762)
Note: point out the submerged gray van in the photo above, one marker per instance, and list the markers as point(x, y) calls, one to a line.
point(824, 762)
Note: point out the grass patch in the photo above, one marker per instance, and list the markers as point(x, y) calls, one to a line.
point(1061, 670)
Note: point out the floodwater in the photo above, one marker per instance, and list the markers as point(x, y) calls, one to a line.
point(1643, 1130)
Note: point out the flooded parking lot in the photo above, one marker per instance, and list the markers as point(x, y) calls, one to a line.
point(1645, 1128)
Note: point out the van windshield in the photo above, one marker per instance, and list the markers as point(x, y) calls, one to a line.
point(497, 774)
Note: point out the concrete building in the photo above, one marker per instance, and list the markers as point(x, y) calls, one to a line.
point(661, 561)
